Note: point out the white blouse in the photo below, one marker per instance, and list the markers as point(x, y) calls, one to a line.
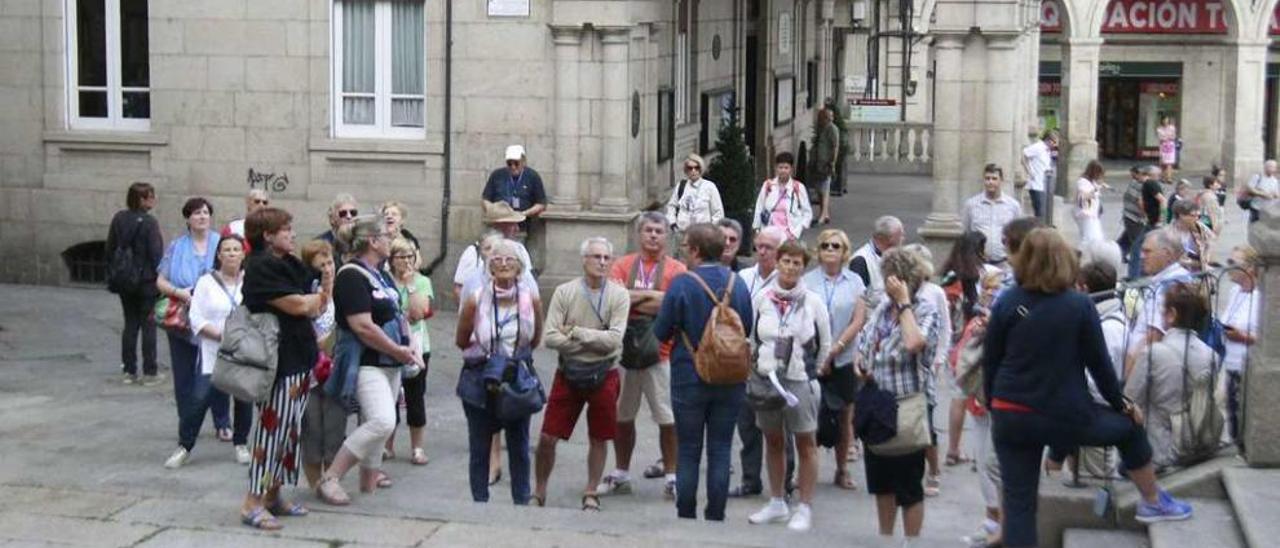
point(211, 305)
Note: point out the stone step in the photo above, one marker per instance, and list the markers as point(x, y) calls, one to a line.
point(1255, 496)
point(1212, 524)
point(1095, 538)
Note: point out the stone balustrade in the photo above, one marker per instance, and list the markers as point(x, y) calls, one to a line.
point(894, 147)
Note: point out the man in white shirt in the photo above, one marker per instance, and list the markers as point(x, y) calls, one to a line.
point(989, 211)
point(887, 234)
point(694, 199)
point(1037, 160)
point(1263, 188)
point(1161, 252)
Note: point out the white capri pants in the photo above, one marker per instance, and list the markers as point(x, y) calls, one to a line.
point(376, 390)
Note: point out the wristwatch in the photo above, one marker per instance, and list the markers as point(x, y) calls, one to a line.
point(899, 307)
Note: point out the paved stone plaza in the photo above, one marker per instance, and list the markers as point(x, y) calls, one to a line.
point(83, 453)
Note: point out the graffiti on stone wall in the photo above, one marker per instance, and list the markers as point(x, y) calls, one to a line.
point(270, 182)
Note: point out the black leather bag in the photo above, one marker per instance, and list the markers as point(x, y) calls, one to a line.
point(584, 376)
point(639, 345)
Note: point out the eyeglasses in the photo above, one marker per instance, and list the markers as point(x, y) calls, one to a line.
point(692, 167)
point(830, 246)
point(501, 260)
point(261, 201)
point(731, 239)
point(347, 213)
point(602, 257)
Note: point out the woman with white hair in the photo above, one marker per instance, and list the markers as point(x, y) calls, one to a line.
point(501, 320)
point(935, 295)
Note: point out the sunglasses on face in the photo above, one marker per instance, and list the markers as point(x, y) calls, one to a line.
point(348, 213)
point(825, 246)
point(692, 167)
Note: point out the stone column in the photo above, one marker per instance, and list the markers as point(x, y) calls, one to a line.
point(826, 50)
point(1080, 103)
point(612, 194)
point(943, 223)
point(568, 42)
point(1261, 391)
point(1001, 98)
point(1246, 77)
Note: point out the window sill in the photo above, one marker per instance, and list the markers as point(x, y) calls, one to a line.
point(130, 138)
point(376, 146)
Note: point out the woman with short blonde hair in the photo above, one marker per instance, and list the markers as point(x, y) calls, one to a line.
point(416, 294)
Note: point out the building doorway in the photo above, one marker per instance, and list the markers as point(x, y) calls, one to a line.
point(1132, 100)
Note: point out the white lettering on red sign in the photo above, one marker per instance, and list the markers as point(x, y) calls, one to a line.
point(1153, 16)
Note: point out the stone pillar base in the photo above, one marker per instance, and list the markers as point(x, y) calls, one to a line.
point(565, 231)
point(1261, 432)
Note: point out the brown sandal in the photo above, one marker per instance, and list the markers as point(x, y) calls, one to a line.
point(590, 502)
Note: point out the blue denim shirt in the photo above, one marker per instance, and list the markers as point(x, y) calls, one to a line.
point(686, 308)
point(346, 363)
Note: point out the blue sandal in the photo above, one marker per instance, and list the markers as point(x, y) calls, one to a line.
point(260, 518)
point(293, 510)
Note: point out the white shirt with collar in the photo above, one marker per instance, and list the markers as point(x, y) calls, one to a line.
point(988, 216)
point(699, 203)
point(1151, 315)
point(1039, 160)
point(755, 282)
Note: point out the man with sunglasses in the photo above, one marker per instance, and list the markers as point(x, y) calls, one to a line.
point(694, 199)
point(988, 212)
point(342, 212)
point(255, 200)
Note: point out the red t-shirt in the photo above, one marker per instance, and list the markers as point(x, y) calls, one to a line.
point(671, 268)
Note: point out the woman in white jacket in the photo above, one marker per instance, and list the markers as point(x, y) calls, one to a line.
point(215, 296)
point(783, 201)
point(792, 335)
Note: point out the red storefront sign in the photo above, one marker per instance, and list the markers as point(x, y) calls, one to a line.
point(1050, 88)
point(1155, 17)
point(1167, 88)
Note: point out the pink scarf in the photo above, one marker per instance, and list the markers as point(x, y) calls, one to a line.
point(486, 323)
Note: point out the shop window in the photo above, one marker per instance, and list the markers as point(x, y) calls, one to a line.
point(379, 69)
point(108, 69)
point(87, 262)
point(666, 124)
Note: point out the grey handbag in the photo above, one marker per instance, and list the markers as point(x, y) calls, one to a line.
point(248, 355)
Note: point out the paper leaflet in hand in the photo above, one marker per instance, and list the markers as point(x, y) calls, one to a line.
point(792, 400)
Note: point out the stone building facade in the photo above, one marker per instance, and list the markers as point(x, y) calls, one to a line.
point(310, 98)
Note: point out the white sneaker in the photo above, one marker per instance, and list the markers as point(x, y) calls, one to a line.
point(177, 459)
point(775, 511)
point(801, 520)
point(614, 484)
point(242, 454)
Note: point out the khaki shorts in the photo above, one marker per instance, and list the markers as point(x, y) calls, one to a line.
point(801, 419)
point(654, 383)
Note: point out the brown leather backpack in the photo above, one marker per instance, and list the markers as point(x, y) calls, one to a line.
point(724, 357)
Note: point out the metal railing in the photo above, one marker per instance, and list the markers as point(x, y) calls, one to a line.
point(891, 147)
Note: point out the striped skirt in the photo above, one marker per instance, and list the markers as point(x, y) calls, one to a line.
point(275, 435)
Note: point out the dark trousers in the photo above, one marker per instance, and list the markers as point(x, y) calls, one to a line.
point(196, 395)
point(1038, 203)
point(1129, 236)
point(1020, 440)
point(705, 416)
point(1233, 407)
point(1135, 252)
point(481, 425)
point(751, 456)
point(138, 320)
point(415, 393)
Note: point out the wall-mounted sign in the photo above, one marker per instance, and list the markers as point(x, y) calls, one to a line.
point(784, 95)
point(508, 8)
point(1155, 17)
point(874, 110)
point(784, 33)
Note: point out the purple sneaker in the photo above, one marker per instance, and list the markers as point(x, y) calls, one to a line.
point(1166, 508)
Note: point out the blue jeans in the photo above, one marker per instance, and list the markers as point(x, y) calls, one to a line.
point(1135, 252)
point(1037, 203)
point(195, 395)
point(481, 426)
point(703, 412)
point(1020, 439)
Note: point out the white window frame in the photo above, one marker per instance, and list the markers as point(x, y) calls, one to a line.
point(115, 119)
point(381, 128)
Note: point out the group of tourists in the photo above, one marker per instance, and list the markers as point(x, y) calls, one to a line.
point(838, 346)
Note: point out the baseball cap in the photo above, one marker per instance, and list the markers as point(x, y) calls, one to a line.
point(515, 152)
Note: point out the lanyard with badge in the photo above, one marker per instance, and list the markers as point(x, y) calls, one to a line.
point(598, 305)
point(784, 344)
point(764, 281)
point(645, 278)
point(513, 186)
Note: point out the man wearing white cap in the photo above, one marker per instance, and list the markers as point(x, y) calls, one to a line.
point(518, 185)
